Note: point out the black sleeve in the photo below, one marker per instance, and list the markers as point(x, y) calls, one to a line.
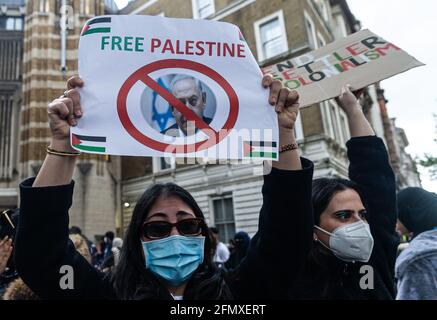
point(42, 246)
point(278, 250)
point(370, 169)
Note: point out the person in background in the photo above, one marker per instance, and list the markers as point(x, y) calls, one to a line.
point(18, 290)
point(112, 260)
point(221, 252)
point(242, 242)
point(231, 245)
point(8, 225)
point(405, 237)
point(109, 237)
point(117, 244)
point(91, 245)
point(416, 266)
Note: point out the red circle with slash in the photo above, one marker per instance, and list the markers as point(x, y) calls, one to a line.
point(142, 74)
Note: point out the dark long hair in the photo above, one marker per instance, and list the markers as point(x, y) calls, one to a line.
point(322, 264)
point(131, 280)
point(325, 189)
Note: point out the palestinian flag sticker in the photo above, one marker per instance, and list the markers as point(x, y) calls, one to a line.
point(260, 149)
point(97, 25)
point(89, 143)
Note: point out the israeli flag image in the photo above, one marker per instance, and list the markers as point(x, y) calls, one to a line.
point(159, 116)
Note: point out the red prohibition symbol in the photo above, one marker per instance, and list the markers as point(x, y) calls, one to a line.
point(142, 74)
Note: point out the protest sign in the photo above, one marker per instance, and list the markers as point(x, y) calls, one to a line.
point(158, 86)
point(360, 59)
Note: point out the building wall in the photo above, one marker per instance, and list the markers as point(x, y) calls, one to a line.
point(96, 197)
point(11, 57)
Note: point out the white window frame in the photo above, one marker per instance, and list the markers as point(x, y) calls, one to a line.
point(10, 24)
point(84, 8)
point(344, 128)
point(195, 6)
point(341, 26)
point(212, 210)
point(342, 136)
point(156, 163)
point(298, 128)
point(313, 32)
point(327, 119)
point(320, 38)
point(257, 25)
point(324, 9)
point(19, 22)
point(44, 6)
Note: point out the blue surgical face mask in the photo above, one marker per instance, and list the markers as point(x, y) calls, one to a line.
point(174, 259)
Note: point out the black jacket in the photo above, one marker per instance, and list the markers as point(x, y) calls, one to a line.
point(265, 273)
point(326, 276)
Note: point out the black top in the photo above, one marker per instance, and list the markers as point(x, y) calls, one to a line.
point(326, 276)
point(42, 244)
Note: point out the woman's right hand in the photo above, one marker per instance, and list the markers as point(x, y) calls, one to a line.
point(63, 114)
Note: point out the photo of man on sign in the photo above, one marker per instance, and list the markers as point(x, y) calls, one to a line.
point(168, 119)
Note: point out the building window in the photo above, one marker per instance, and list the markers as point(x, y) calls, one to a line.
point(18, 24)
point(298, 129)
point(85, 7)
point(203, 8)
point(11, 23)
point(224, 219)
point(162, 164)
point(44, 5)
point(341, 30)
point(344, 127)
point(311, 31)
point(336, 122)
point(271, 37)
point(321, 42)
point(335, 126)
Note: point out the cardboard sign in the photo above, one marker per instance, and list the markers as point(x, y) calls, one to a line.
point(159, 86)
point(361, 59)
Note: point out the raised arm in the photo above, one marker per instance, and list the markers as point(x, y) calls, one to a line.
point(286, 104)
point(43, 251)
point(370, 165)
point(278, 250)
point(63, 113)
point(370, 169)
point(358, 124)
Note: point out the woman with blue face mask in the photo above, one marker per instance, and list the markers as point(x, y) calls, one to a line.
point(355, 242)
point(166, 250)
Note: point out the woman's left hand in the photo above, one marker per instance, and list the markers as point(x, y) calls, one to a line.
point(286, 102)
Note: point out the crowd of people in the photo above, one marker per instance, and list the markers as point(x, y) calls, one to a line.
point(314, 236)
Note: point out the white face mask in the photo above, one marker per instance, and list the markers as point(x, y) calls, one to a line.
point(352, 242)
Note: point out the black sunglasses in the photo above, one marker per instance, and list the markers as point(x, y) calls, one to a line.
point(162, 229)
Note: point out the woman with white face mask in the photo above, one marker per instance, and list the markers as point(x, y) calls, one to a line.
point(355, 242)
